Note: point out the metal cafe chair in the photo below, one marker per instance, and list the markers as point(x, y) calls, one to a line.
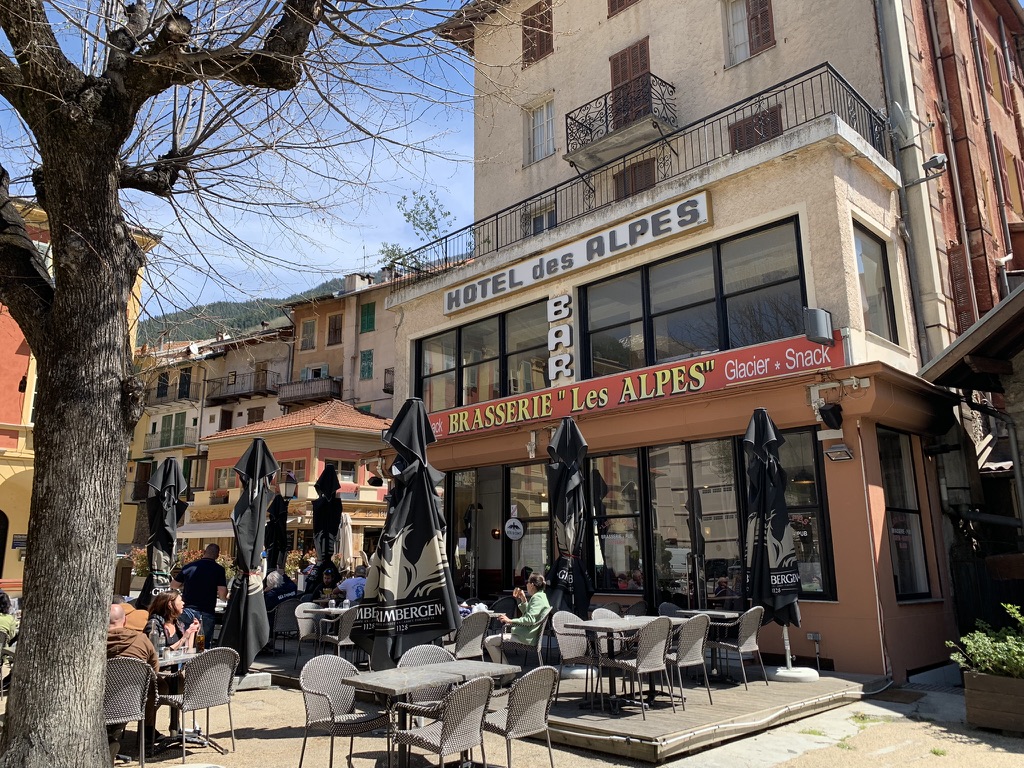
point(309, 628)
point(691, 639)
point(527, 709)
point(285, 623)
point(574, 647)
point(419, 656)
point(340, 638)
point(124, 695)
point(669, 609)
point(506, 605)
point(457, 721)
point(746, 641)
point(206, 683)
point(645, 654)
point(330, 704)
point(6, 658)
point(639, 608)
point(509, 644)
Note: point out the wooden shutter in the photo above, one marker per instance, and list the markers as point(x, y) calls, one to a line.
point(960, 285)
point(756, 129)
point(760, 26)
point(629, 70)
point(538, 32)
point(630, 63)
point(1004, 81)
point(634, 178)
point(614, 6)
point(1003, 171)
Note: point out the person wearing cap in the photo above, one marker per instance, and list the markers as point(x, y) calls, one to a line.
point(354, 586)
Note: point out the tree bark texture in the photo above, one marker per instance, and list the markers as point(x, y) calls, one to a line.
point(82, 430)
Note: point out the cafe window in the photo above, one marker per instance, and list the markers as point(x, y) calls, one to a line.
point(499, 356)
point(614, 498)
point(903, 514)
point(528, 494)
point(875, 284)
point(801, 457)
point(743, 291)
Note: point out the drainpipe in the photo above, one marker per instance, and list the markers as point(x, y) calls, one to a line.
point(1004, 224)
point(954, 172)
point(913, 276)
point(1018, 472)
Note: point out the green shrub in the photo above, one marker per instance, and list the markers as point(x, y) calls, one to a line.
point(993, 652)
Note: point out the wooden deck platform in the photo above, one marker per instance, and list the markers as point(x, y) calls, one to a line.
point(665, 735)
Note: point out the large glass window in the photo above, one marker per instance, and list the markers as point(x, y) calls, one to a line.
point(528, 494)
point(800, 457)
point(614, 499)
point(906, 537)
point(496, 357)
point(875, 287)
point(743, 291)
point(540, 132)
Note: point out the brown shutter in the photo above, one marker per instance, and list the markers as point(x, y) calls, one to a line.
point(986, 77)
point(630, 63)
point(634, 178)
point(1004, 177)
point(1004, 81)
point(614, 6)
point(756, 129)
point(628, 103)
point(760, 26)
point(961, 286)
point(538, 32)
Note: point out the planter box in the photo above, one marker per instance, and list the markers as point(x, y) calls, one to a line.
point(994, 702)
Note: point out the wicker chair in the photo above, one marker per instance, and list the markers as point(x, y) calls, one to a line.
point(206, 683)
point(337, 632)
point(330, 704)
point(419, 656)
point(669, 609)
point(506, 605)
point(469, 639)
point(309, 628)
point(614, 607)
point(746, 641)
point(526, 711)
point(537, 646)
point(285, 623)
point(574, 647)
point(457, 721)
point(645, 654)
point(639, 608)
point(124, 696)
point(691, 638)
point(6, 657)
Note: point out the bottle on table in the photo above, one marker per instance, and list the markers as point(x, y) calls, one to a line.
point(159, 641)
point(345, 603)
point(200, 641)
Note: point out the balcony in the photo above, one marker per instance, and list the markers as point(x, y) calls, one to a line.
point(389, 381)
point(175, 438)
point(173, 392)
point(626, 118)
point(309, 391)
point(773, 112)
point(235, 387)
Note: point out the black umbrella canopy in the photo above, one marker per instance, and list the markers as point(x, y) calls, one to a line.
point(165, 510)
point(409, 598)
point(246, 627)
point(326, 514)
point(275, 536)
point(773, 578)
point(569, 586)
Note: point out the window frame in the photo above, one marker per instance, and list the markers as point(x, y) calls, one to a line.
point(618, 6)
point(537, 151)
point(538, 32)
point(335, 328)
point(307, 341)
point(721, 299)
point(893, 330)
point(368, 317)
point(296, 466)
point(760, 29)
point(907, 439)
point(365, 364)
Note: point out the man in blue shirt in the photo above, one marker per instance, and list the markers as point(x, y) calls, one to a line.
point(202, 581)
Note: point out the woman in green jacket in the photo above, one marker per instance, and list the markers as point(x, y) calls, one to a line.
point(532, 605)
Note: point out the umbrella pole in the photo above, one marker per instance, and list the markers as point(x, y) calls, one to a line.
point(785, 645)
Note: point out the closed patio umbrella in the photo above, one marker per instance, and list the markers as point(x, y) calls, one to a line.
point(569, 586)
point(326, 514)
point(165, 509)
point(246, 626)
point(275, 536)
point(409, 598)
point(346, 550)
point(773, 578)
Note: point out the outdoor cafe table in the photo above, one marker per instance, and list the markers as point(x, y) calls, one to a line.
point(618, 626)
point(400, 682)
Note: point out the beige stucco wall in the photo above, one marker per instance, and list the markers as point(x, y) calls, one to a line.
point(812, 173)
point(687, 49)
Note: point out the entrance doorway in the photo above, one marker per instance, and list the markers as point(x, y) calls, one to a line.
point(476, 554)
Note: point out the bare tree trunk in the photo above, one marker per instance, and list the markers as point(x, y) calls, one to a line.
point(86, 407)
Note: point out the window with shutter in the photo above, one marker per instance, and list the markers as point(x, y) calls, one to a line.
point(538, 32)
point(631, 93)
point(614, 6)
point(368, 317)
point(760, 26)
point(366, 364)
point(634, 178)
point(334, 328)
point(756, 129)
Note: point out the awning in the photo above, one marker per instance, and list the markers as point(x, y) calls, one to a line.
point(218, 529)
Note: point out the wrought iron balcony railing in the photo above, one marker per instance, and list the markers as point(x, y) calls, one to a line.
point(174, 391)
point(240, 385)
point(818, 92)
point(642, 97)
point(174, 438)
point(312, 390)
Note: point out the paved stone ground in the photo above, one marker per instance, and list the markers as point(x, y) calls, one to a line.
point(901, 728)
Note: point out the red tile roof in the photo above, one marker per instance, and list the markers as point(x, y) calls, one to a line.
point(334, 414)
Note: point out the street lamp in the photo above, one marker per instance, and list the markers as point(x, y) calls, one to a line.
point(288, 485)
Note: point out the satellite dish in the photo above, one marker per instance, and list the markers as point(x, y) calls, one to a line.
point(899, 122)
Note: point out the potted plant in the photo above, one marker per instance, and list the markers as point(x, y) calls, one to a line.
point(993, 665)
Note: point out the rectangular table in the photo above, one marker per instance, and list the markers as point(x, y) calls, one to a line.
point(400, 682)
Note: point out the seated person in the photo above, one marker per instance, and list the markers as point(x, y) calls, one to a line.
point(725, 595)
point(134, 618)
point(165, 614)
point(277, 588)
point(122, 641)
point(322, 585)
point(525, 628)
point(354, 586)
point(8, 623)
point(637, 580)
point(622, 581)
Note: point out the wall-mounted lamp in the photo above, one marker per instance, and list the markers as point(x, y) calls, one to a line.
point(839, 452)
point(495, 533)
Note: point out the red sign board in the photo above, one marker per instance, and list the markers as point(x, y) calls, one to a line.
point(684, 378)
